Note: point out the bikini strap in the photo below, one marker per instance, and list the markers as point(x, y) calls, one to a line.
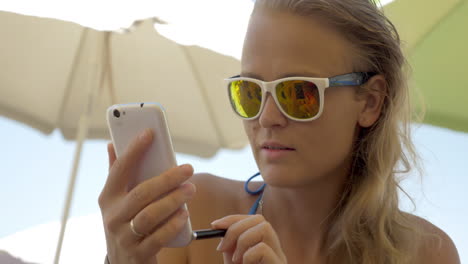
point(254, 208)
point(259, 190)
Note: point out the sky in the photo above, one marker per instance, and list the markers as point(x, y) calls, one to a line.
point(35, 168)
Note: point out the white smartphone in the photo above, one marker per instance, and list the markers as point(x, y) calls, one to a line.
point(125, 122)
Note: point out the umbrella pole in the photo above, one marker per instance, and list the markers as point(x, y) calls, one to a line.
point(83, 126)
point(82, 132)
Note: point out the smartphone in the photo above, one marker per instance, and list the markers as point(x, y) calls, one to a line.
point(125, 122)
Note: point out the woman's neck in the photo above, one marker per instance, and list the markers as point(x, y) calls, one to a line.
point(301, 216)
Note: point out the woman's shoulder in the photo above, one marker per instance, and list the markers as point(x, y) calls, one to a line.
point(217, 197)
point(435, 245)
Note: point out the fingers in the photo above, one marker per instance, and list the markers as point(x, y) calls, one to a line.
point(142, 249)
point(250, 239)
point(260, 253)
point(225, 222)
point(149, 191)
point(164, 234)
point(156, 213)
point(235, 225)
point(261, 233)
point(125, 166)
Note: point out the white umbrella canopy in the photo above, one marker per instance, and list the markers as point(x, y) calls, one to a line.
point(215, 24)
point(53, 69)
point(58, 74)
point(104, 14)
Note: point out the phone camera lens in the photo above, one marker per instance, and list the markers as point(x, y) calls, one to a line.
point(116, 113)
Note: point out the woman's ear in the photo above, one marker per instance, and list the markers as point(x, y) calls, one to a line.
point(373, 98)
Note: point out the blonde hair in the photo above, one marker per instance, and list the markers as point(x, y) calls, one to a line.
point(368, 226)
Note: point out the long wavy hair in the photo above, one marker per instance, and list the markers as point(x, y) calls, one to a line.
point(368, 226)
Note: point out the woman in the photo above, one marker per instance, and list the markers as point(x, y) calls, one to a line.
point(328, 141)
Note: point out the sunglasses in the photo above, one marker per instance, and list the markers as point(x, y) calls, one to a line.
point(298, 98)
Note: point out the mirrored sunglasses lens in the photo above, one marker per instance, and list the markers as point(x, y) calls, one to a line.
point(299, 99)
point(245, 97)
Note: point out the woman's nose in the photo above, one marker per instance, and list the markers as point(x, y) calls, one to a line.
point(271, 115)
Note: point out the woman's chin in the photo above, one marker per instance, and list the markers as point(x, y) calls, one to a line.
point(287, 176)
point(280, 177)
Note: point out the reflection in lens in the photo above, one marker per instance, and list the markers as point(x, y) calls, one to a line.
point(245, 97)
point(299, 99)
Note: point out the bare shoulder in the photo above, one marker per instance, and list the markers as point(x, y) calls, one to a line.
point(436, 245)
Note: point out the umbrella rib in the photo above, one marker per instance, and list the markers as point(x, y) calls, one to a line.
point(196, 75)
point(436, 25)
point(71, 77)
point(107, 71)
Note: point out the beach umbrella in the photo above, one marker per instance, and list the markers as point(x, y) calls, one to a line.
point(435, 39)
point(60, 75)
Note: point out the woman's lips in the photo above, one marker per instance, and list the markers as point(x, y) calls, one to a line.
point(275, 150)
point(271, 145)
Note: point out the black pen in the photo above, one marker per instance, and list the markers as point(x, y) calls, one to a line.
point(208, 233)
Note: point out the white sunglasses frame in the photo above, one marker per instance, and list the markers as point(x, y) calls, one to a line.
point(350, 79)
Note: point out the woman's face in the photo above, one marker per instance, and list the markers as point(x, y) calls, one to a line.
point(279, 45)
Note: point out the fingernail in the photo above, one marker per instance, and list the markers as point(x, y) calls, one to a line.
point(220, 245)
point(188, 189)
point(235, 257)
point(187, 168)
point(215, 222)
point(146, 135)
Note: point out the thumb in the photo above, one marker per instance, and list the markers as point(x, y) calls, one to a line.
point(111, 154)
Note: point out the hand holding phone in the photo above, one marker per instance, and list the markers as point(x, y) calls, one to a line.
point(125, 123)
point(143, 203)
